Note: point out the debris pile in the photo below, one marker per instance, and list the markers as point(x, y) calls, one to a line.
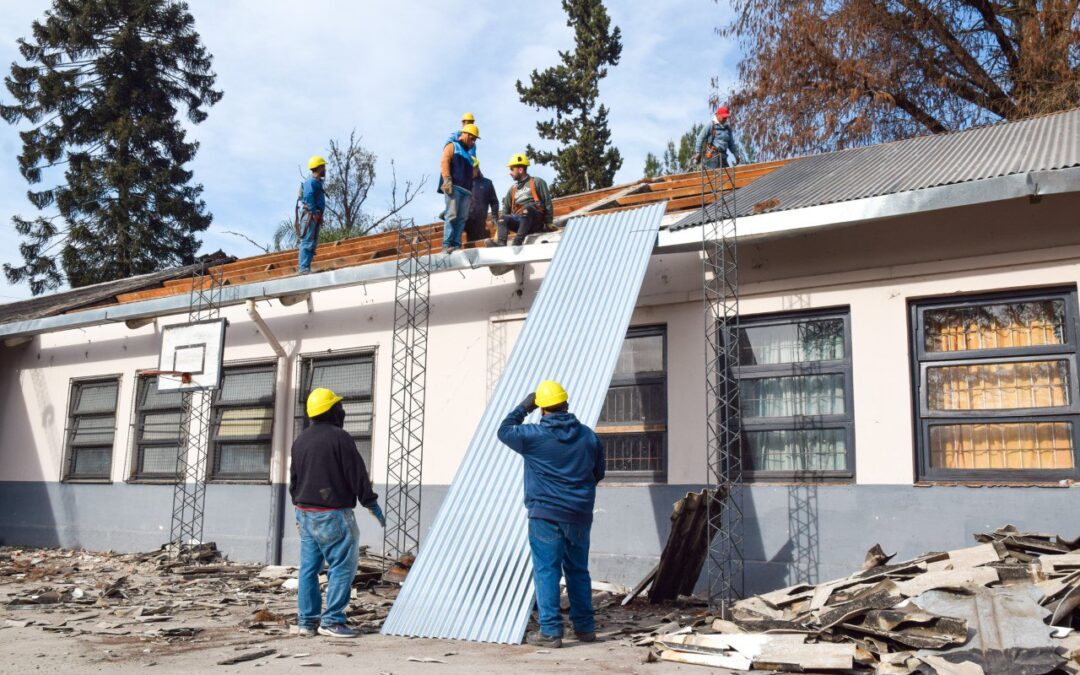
point(1007, 605)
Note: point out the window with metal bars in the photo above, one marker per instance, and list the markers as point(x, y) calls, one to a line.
point(351, 377)
point(795, 396)
point(241, 435)
point(996, 387)
point(157, 432)
point(91, 429)
point(633, 422)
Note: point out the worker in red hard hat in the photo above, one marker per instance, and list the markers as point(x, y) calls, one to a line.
point(716, 141)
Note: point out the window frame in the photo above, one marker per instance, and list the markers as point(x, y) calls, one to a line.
point(661, 475)
point(303, 385)
point(74, 385)
point(217, 410)
point(137, 424)
point(922, 360)
point(846, 421)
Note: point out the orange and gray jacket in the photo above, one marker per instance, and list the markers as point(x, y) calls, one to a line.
point(529, 191)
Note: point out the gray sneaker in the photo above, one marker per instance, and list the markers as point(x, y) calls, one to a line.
point(450, 249)
point(305, 631)
point(538, 639)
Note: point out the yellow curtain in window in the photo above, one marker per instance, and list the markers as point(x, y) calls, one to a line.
point(1008, 445)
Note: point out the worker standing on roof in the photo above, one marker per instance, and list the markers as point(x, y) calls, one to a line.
point(483, 199)
point(715, 141)
point(309, 212)
point(327, 477)
point(527, 205)
point(564, 460)
point(456, 179)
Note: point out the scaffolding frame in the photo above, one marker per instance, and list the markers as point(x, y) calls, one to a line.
point(189, 491)
point(408, 380)
point(720, 268)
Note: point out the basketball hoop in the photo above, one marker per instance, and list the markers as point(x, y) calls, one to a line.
point(183, 376)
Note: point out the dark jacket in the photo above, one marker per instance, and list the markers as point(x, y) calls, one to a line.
point(327, 470)
point(483, 198)
point(564, 460)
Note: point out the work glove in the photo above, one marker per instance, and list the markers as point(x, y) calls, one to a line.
point(529, 403)
point(696, 159)
point(447, 187)
point(376, 511)
point(737, 162)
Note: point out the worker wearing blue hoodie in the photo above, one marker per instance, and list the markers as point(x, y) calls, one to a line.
point(564, 460)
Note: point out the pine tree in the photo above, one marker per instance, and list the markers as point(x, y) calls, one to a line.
point(103, 85)
point(585, 159)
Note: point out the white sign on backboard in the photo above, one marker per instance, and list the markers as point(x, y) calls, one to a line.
point(194, 348)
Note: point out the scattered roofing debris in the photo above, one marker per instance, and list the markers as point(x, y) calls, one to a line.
point(1008, 605)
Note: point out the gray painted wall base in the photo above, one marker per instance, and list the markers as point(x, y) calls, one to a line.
point(793, 533)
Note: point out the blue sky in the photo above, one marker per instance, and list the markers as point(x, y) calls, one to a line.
point(297, 74)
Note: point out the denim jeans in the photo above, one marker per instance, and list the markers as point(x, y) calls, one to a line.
point(308, 242)
point(719, 160)
point(329, 537)
point(561, 550)
point(457, 210)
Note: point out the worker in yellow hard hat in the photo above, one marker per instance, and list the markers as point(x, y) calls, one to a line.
point(564, 460)
point(527, 206)
point(466, 120)
point(327, 477)
point(455, 182)
point(310, 205)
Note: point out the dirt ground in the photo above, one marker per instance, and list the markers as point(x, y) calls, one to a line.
point(75, 611)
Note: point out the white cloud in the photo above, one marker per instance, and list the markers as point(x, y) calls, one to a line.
point(297, 74)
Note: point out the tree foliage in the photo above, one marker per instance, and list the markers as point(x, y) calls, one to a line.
point(676, 159)
point(585, 159)
point(102, 86)
point(824, 74)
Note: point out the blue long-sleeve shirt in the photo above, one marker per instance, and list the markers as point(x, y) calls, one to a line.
point(564, 460)
point(720, 137)
point(312, 195)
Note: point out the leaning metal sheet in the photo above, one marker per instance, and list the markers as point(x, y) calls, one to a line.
point(472, 579)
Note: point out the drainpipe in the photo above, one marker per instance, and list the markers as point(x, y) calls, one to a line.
point(277, 482)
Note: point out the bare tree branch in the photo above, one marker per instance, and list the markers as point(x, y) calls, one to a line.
point(261, 247)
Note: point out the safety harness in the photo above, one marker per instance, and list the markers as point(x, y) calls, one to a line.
point(301, 206)
point(516, 208)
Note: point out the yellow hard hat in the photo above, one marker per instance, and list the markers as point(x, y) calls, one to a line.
point(467, 117)
point(518, 159)
point(471, 129)
point(550, 393)
point(315, 162)
point(320, 400)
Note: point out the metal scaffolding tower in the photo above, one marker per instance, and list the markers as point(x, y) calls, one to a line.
point(723, 434)
point(189, 492)
point(408, 377)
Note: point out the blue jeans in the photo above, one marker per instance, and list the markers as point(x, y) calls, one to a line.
point(457, 211)
point(561, 550)
point(308, 242)
point(330, 537)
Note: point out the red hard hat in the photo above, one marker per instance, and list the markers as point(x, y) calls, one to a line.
point(723, 111)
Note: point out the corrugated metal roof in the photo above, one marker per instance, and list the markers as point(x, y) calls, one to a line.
point(1037, 144)
point(472, 579)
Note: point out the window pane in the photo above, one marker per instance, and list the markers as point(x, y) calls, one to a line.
point(634, 452)
point(154, 399)
point(796, 450)
point(245, 423)
point(91, 462)
point(641, 354)
point(93, 430)
point(247, 385)
point(995, 326)
point(95, 397)
point(350, 378)
point(1011, 445)
point(243, 459)
point(634, 403)
point(795, 342)
point(790, 396)
point(159, 459)
point(358, 417)
point(161, 426)
point(998, 386)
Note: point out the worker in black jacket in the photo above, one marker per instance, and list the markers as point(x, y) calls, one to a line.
point(326, 479)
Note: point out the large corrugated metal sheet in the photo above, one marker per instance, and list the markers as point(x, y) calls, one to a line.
point(472, 579)
point(1038, 144)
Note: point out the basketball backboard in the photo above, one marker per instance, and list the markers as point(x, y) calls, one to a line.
point(192, 348)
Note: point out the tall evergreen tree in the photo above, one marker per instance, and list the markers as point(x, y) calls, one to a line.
point(585, 159)
point(103, 86)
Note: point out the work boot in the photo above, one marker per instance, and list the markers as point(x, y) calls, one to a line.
point(585, 637)
point(493, 243)
point(538, 639)
point(519, 241)
point(450, 249)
